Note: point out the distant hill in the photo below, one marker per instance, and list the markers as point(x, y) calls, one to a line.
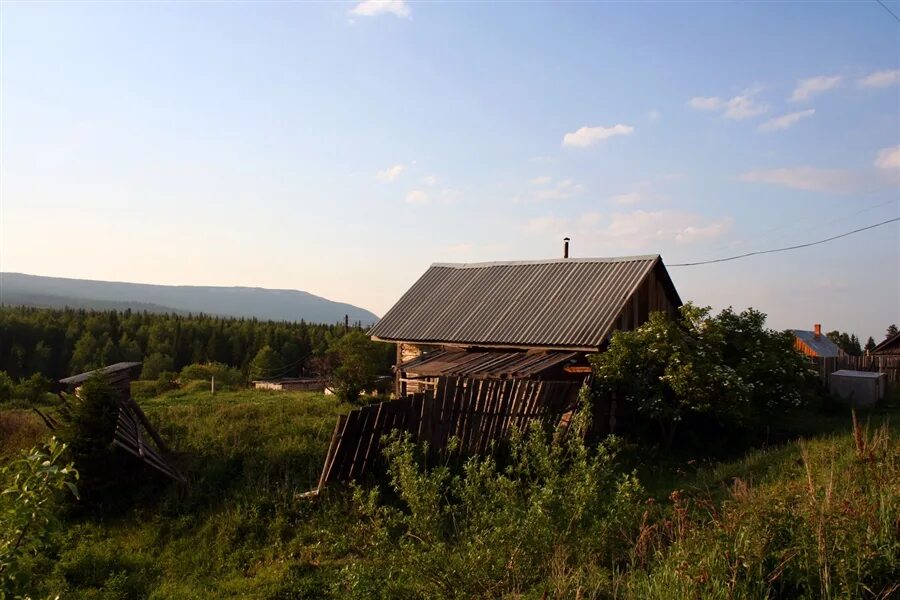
point(277, 305)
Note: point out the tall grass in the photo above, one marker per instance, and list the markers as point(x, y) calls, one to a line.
point(818, 518)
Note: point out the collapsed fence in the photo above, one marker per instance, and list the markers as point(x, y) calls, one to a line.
point(474, 412)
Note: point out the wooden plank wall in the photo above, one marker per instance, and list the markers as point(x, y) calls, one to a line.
point(889, 365)
point(476, 412)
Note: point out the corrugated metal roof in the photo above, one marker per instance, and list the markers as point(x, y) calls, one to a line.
point(821, 345)
point(561, 303)
point(493, 365)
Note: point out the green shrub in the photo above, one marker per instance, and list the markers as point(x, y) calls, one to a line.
point(226, 377)
point(7, 387)
point(493, 529)
point(29, 504)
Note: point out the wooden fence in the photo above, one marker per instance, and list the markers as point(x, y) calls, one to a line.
point(476, 412)
point(889, 365)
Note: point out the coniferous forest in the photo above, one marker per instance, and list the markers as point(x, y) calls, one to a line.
point(61, 342)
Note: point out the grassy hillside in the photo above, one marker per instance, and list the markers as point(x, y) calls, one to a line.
point(805, 519)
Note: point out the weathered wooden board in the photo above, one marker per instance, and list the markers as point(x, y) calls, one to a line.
point(476, 412)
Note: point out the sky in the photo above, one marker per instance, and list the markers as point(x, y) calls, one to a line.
point(341, 148)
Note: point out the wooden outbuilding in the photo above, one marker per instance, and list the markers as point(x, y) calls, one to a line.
point(519, 320)
point(889, 347)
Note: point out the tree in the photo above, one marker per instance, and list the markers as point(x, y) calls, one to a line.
point(729, 366)
point(870, 344)
point(7, 387)
point(354, 360)
point(155, 364)
point(891, 331)
point(266, 364)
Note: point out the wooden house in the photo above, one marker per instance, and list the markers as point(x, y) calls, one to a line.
point(889, 347)
point(815, 344)
point(519, 320)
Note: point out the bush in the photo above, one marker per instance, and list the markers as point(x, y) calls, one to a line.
point(33, 390)
point(727, 370)
point(7, 387)
point(32, 487)
point(556, 518)
point(226, 377)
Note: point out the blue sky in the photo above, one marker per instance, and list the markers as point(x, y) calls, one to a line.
point(341, 148)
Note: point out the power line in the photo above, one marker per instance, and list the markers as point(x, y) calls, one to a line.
point(885, 7)
point(718, 260)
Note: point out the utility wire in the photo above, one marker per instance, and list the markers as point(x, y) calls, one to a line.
point(718, 260)
point(885, 7)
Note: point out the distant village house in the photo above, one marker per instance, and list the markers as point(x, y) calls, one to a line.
point(815, 344)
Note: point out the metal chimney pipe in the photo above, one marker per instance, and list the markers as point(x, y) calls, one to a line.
point(565, 247)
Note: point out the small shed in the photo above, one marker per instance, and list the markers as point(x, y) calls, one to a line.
point(861, 389)
point(292, 384)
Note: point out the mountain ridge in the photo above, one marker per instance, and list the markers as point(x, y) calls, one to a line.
point(278, 304)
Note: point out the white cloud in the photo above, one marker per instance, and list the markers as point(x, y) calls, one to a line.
point(391, 173)
point(880, 79)
point(888, 158)
point(546, 225)
point(588, 136)
point(430, 180)
point(627, 199)
point(632, 230)
point(374, 8)
point(739, 107)
point(807, 88)
point(785, 121)
point(417, 197)
point(541, 180)
point(807, 178)
point(563, 189)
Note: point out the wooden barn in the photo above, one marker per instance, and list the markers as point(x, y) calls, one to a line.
point(519, 320)
point(889, 347)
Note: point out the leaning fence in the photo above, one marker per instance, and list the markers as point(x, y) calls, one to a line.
point(474, 412)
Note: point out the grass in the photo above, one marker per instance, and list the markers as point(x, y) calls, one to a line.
point(815, 517)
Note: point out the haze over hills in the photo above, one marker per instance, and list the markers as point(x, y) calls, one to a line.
point(262, 303)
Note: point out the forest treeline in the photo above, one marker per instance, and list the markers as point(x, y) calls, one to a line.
point(61, 342)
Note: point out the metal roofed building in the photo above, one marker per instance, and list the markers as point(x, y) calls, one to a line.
point(531, 319)
point(815, 343)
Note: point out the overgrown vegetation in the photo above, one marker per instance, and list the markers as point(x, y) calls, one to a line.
point(545, 515)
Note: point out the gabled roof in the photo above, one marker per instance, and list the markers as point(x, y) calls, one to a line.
point(564, 303)
point(892, 343)
point(821, 345)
